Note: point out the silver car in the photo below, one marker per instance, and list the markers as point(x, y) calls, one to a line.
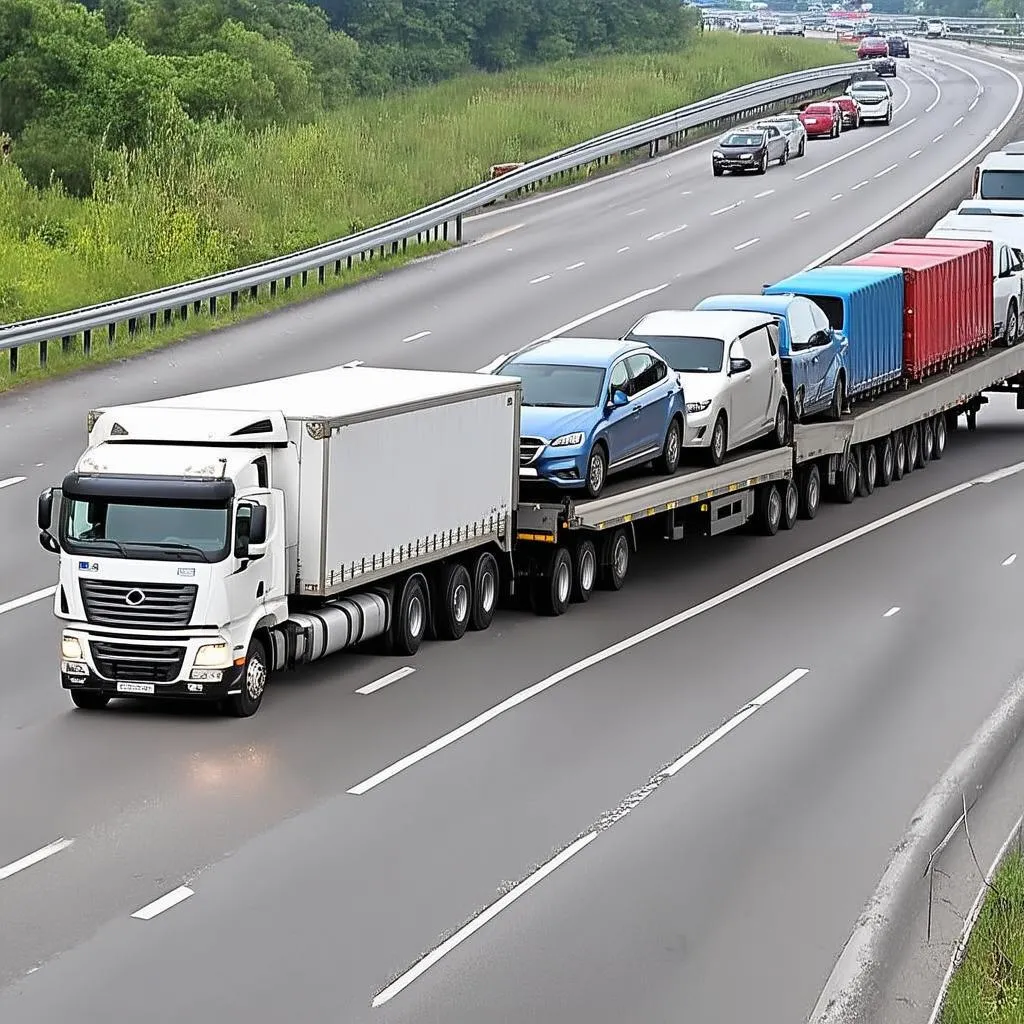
point(728, 364)
point(790, 126)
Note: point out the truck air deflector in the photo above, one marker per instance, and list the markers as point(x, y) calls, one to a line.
point(186, 490)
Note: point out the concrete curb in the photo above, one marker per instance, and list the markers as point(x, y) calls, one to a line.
point(852, 994)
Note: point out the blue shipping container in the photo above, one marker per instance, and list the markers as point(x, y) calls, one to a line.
point(866, 305)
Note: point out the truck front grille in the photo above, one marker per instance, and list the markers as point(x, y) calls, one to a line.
point(137, 664)
point(138, 605)
point(529, 449)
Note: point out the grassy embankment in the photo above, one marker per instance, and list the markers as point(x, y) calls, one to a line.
point(988, 987)
point(250, 197)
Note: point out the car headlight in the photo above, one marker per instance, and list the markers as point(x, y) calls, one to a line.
point(718, 155)
point(213, 656)
point(568, 440)
point(697, 406)
point(71, 648)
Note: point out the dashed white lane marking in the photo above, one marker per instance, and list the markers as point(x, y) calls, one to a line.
point(172, 899)
point(20, 602)
point(853, 152)
point(746, 245)
point(1010, 560)
point(352, 364)
point(538, 280)
point(860, 184)
point(606, 822)
point(11, 481)
point(958, 122)
point(767, 192)
point(417, 336)
point(576, 266)
point(633, 213)
point(891, 167)
point(625, 248)
point(34, 858)
point(655, 237)
point(838, 195)
point(800, 216)
point(974, 103)
point(686, 192)
point(939, 136)
point(391, 677)
point(891, 612)
point(726, 209)
point(916, 152)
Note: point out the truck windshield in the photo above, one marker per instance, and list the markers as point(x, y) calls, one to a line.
point(558, 386)
point(687, 354)
point(153, 530)
point(1002, 184)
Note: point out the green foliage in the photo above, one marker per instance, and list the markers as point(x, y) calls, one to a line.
point(206, 196)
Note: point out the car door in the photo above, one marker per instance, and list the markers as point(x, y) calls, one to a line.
point(777, 144)
point(1002, 284)
point(643, 405)
point(799, 358)
point(826, 356)
point(622, 427)
point(741, 394)
point(653, 388)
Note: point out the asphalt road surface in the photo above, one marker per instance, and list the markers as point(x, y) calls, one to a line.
point(722, 891)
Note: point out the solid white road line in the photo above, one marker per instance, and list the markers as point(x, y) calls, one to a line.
point(938, 89)
point(800, 216)
point(172, 899)
point(666, 624)
point(538, 280)
point(492, 235)
point(417, 336)
point(11, 481)
point(20, 602)
point(891, 612)
point(630, 803)
point(974, 103)
point(853, 152)
point(891, 167)
point(1010, 560)
point(34, 858)
point(746, 245)
point(391, 677)
point(586, 318)
point(576, 266)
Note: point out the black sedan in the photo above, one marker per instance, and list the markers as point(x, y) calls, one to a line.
point(885, 66)
point(898, 46)
point(750, 149)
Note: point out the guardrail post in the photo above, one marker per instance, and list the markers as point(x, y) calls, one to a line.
point(111, 333)
point(132, 325)
point(458, 228)
point(320, 271)
point(273, 288)
point(65, 343)
point(288, 283)
point(348, 265)
point(13, 357)
point(213, 305)
point(152, 321)
point(254, 292)
point(394, 248)
point(234, 301)
point(337, 267)
point(446, 231)
point(86, 342)
point(168, 316)
point(305, 278)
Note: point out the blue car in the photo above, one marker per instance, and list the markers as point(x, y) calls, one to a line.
point(812, 353)
point(592, 408)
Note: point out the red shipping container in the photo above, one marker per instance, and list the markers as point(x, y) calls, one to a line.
point(947, 305)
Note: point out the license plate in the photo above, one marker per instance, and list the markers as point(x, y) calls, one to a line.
point(136, 688)
point(812, 120)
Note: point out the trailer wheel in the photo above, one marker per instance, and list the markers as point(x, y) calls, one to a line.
point(410, 616)
point(810, 492)
point(584, 577)
point(868, 474)
point(972, 419)
point(939, 430)
point(790, 505)
point(899, 455)
point(927, 443)
point(913, 448)
point(614, 560)
point(253, 683)
point(453, 603)
point(767, 510)
point(885, 463)
point(88, 701)
point(952, 419)
point(845, 487)
point(486, 590)
point(552, 588)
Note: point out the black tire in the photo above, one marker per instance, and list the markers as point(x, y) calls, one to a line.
point(845, 487)
point(717, 171)
point(486, 591)
point(790, 505)
point(952, 419)
point(899, 455)
point(597, 470)
point(939, 430)
point(835, 410)
point(453, 603)
point(672, 450)
point(88, 700)
point(927, 443)
point(971, 416)
point(888, 118)
point(784, 159)
point(1012, 330)
point(762, 167)
point(585, 572)
point(886, 461)
point(913, 448)
point(803, 147)
point(614, 560)
point(767, 510)
point(810, 492)
point(780, 432)
point(552, 588)
point(409, 617)
point(868, 475)
point(253, 683)
point(719, 446)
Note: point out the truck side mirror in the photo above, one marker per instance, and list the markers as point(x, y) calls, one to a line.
point(44, 509)
point(258, 525)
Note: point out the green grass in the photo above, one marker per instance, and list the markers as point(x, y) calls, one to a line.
point(204, 202)
point(988, 987)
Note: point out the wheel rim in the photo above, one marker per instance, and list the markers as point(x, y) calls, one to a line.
point(913, 449)
point(672, 447)
point(416, 616)
point(563, 581)
point(621, 558)
point(780, 425)
point(792, 503)
point(488, 589)
point(812, 492)
point(851, 475)
point(887, 461)
point(940, 435)
point(774, 507)
point(1011, 325)
point(588, 570)
point(255, 678)
point(928, 443)
point(718, 441)
point(460, 602)
point(871, 468)
point(596, 474)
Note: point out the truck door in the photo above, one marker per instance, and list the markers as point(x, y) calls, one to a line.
point(256, 586)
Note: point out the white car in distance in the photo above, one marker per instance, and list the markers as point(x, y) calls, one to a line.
point(791, 126)
point(874, 100)
point(728, 364)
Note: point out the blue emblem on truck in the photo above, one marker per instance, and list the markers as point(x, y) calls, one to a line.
point(88, 566)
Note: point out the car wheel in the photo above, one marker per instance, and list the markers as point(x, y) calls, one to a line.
point(835, 411)
point(1012, 331)
point(668, 462)
point(719, 441)
point(597, 471)
point(785, 156)
point(803, 147)
point(717, 171)
point(780, 432)
point(763, 166)
point(888, 118)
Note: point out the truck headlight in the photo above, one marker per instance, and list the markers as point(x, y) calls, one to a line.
point(213, 656)
point(71, 648)
point(567, 440)
point(697, 406)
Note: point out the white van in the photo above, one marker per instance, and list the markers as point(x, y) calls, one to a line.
point(999, 178)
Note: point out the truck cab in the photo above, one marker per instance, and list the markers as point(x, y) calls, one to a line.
point(999, 178)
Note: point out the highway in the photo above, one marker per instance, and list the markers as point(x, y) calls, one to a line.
point(723, 891)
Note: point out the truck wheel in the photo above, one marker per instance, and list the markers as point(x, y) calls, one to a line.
point(253, 683)
point(810, 492)
point(486, 588)
point(845, 487)
point(868, 470)
point(409, 617)
point(88, 701)
point(913, 448)
point(668, 462)
point(927, 443)
point(939, 430)
point(552, 589)
point(584, 577)
point(790, 505)
point(454, 602)
point(952, 419)
point(767, 510)
point(899, 455)
point(614, 560)
point(885, 463)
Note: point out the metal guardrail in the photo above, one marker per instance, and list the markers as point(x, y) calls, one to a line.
point(439, 221)
point(1004, 42)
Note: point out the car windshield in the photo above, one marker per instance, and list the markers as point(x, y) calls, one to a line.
point(743, 139)
point(130, 528)
point(688, 353)
point(557, 386)
point(1002, 184)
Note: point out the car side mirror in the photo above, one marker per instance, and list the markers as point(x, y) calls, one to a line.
point(819, 339)
point(44, 509)
point(619, 398)
point(738, 366)
point(258, 526)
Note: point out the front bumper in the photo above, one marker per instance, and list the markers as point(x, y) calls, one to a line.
point(230, 682)
point(874, 113)
point(734, 163)
point(567, 469)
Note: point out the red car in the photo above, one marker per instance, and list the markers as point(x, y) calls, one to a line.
point(822, 119)
point(851, 110)
point(871, 47)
